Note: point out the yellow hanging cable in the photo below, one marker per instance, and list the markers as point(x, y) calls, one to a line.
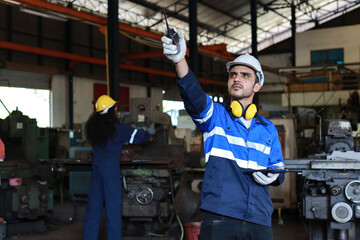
point(280, 220)
point(107, 61)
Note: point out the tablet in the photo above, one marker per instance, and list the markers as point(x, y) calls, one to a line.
point(268, 170)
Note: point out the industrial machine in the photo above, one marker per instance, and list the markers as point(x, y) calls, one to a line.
point(339, 136)
point(151, 174)
point(331, 191)
point(25, 191)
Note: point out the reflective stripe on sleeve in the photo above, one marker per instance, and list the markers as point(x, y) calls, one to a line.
point(207, 116)
point(133, 136)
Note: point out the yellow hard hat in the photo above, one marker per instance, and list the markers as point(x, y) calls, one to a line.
point(103, 104)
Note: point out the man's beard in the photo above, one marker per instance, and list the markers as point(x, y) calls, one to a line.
point(238, 95)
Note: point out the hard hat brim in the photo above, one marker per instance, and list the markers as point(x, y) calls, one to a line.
point(105, 111)
point(230, 65)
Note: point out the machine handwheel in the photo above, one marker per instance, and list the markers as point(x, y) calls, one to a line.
point(352, 191)
point(144, 195)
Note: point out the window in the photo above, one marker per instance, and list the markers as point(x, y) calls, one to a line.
point(34, 103)
point(326, 57)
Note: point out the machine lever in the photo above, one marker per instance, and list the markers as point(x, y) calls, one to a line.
point(314, 210)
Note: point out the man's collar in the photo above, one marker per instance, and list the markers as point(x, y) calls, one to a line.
point(259, 118)
point(226, 105)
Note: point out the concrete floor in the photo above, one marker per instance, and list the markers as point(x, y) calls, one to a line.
point(291, 229)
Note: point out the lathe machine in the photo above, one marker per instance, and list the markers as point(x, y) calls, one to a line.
point(330, 201)
point(25, 192)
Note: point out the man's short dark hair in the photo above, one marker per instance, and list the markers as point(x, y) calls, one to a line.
point(256, 78)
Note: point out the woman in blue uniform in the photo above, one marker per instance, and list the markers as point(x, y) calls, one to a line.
point(107, 136)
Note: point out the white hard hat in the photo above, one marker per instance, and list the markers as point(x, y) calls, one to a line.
point(250, 61)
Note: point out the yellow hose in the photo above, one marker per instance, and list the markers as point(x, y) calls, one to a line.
point(107, 61)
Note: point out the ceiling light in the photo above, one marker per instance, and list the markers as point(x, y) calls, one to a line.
point(45, 15)
point(12, 2)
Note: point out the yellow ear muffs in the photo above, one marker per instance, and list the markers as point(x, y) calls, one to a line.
point(250, 111)
point(239, 111)
point(236, 108)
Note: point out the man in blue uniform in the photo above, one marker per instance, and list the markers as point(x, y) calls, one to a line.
point(238, 143)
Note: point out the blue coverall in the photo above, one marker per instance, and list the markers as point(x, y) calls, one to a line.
point(105, 186)
point(230, 151)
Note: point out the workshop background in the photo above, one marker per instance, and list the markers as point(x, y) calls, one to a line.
point(57, 57)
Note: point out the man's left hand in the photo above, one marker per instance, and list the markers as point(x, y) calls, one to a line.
point(265, 179)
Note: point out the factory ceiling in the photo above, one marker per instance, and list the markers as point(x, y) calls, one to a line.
point(222, 25)
point(222, 22)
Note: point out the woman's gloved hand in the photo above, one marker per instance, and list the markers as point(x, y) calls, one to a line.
point(265, 179)
point(170, 49)
point(151, 129)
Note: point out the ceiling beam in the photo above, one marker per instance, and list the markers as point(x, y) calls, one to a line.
point(176, 15)
point(92, 60)
point(209, 49)
point(268, 7)
point(180, 17)
point(233, 18)
point(100, 21)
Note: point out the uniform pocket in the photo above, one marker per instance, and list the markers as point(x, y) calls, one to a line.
point(266, 139)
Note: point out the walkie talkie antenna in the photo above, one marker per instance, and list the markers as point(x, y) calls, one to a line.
point(167, 24)
point(171, 33)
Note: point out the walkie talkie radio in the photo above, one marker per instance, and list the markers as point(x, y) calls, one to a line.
point(172, 34)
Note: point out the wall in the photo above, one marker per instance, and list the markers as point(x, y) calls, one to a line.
point(24, 79)
point(272, 82)
point(313, 99)
point(59, 101)
point(329, 38)
point(321, 39)
point(269, 100)
point(83, 96)
point(137, 91)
